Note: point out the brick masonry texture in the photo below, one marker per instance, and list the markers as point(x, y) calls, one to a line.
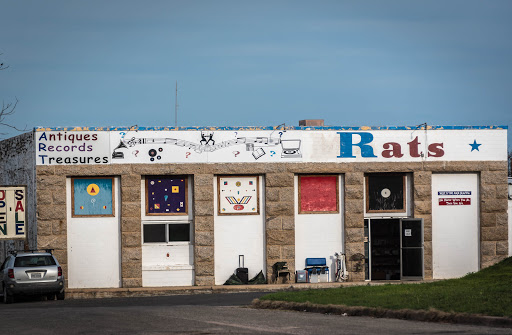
point(204, 262)
point(279, 208)
point(422, 197)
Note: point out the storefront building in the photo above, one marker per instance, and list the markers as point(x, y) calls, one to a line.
point(142, 207)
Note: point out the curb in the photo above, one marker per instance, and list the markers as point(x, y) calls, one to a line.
point(404, 314)
point(95, 293)
point(98, 293)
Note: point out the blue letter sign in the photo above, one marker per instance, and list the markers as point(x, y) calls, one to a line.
point(346, 145)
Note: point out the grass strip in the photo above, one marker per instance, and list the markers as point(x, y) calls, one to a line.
point(487, 292)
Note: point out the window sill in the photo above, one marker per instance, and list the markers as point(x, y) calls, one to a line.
point(165, 244)
point(172, 267)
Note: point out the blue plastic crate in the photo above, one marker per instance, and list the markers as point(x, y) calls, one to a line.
point(315, 262)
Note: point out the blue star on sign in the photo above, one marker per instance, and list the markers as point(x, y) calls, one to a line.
point(474, 146)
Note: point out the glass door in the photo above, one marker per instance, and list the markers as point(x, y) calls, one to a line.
point(393, 249)
point(411, 241)
point(384, 248)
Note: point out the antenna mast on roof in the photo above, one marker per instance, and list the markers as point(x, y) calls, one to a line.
point(176, 107)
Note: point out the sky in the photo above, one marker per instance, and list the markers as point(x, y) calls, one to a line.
point(256, 63)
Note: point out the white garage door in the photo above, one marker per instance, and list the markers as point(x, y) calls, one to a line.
point(455, 225)
point(241, 230)
point(93, 238)
point(319, 235)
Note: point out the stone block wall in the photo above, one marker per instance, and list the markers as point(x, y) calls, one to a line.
point(204, 232)
point(354, 223)
point(17, 168)
point(494, 216)
point(131, 254)
point(279, 208)
point(279, 218)
point(422, 197)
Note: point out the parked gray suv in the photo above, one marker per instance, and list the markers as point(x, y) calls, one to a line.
point(32, 273)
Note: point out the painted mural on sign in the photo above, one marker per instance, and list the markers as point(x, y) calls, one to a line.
point(166, 195)
point(252, 145)
point(238, 195)
point(92, 197)
point(12, 212)
point(204, 146)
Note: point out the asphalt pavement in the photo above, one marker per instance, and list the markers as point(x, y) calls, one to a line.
point(212, 313)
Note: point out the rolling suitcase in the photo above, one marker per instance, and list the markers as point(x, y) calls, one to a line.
point(242, 273)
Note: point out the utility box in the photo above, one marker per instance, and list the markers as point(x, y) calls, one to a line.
point(301, 276)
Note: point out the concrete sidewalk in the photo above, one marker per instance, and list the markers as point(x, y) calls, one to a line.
point(90, 293)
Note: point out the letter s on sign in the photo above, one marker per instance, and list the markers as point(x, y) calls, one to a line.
point(435, 150)
point(18, 194)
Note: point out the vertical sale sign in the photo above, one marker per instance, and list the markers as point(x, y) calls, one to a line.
point(12, 212)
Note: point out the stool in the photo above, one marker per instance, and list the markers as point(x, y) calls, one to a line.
point(281, 269)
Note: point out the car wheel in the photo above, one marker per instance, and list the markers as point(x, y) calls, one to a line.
point(8, 299)
point(61, 295)
point(50, 296)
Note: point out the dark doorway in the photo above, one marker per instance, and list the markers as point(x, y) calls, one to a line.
point(412, 249)
point(385, 249)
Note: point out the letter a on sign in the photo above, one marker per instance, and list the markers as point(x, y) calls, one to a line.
point(19, 206)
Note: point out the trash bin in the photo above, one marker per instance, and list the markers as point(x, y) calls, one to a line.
point(314, 276)
point(324, 274)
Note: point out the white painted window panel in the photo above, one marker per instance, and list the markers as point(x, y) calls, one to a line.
point(160, 277)
point(178, 254)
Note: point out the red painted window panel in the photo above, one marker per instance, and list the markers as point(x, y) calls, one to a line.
point(318, 194)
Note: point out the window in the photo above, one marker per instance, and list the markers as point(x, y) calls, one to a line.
point(166, 232)
point(31, 261)
point(179, 232)
point(385, 192)
point(318, 194)
point(154, 233)
point(167, 195)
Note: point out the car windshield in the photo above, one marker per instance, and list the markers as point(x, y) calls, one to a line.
point(30, 261)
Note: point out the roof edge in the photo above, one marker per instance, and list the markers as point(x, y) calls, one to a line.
point(359, 128)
